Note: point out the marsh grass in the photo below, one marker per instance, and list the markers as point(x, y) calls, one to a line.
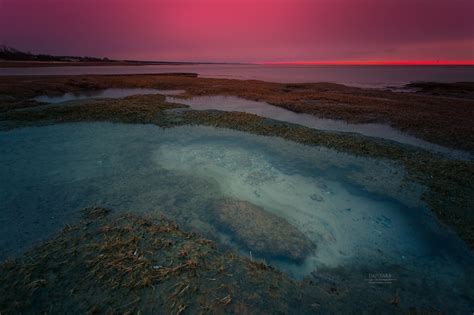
point(130, 264)
point(435, 118)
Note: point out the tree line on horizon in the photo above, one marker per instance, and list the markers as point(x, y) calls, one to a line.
point(10, 53)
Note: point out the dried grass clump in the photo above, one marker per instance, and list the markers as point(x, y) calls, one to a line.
point(129, 264)
point(132, 109)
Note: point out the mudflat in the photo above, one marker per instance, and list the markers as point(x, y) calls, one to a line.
point(123, 243)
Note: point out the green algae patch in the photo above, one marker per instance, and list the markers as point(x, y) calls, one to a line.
point(261, 231)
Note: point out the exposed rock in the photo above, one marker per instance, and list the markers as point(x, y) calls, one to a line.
point(316, 197)
point(262, 232)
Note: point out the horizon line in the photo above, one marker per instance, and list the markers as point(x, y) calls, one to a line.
point(376, 63)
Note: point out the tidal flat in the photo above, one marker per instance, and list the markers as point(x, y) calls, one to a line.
point(208, 210)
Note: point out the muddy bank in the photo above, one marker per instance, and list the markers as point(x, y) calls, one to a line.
point(112, 263)
point(434, 118)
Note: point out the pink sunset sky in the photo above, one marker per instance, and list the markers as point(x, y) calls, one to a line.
point(243, 30)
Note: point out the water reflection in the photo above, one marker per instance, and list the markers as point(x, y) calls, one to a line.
point(232, 103)
point(107, 93)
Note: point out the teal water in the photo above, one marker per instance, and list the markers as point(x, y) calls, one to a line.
point(376, 130)
point(358, 212)
point(263, 109)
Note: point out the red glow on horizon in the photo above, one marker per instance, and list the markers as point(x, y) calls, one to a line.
point(378, 63)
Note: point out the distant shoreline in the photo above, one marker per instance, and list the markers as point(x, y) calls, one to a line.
point(41, 64)
point(35, 64)
point(394, 78)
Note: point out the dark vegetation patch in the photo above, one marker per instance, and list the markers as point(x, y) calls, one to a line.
point(128, 264)
point(459, 89)
point(436, 118)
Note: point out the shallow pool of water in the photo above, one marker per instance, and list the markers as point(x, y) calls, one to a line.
point(107, 93)
point(232, 103)
point(357, 212)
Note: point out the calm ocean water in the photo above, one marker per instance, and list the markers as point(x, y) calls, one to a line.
point(363, 76)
